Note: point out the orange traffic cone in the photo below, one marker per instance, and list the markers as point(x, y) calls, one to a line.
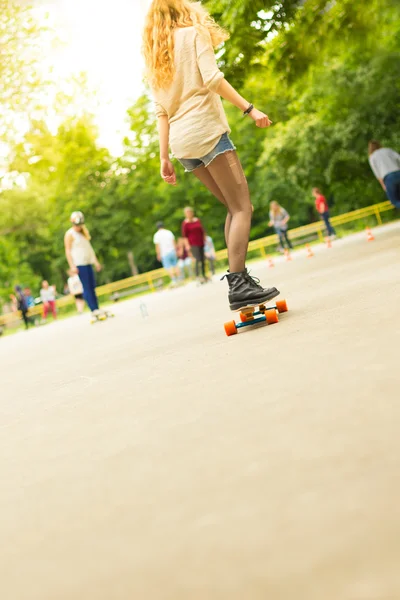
point(270, 263)
point(287, 255)
point(328, 242)
point(370, 235)
point(310, 253)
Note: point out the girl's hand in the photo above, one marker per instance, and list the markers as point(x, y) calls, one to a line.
point(168, 172)
point(97, 266)
point(261, 120)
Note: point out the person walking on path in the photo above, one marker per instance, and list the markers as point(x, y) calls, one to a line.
point(81, 259)
point(185, 259)
point(194, 235)
point(20, 303)
point(48, 297)
point(179, 41)
point(209, 252)
point(75, 288)
point(385, 164)
point(321, 205)
point(279, 218)
point(165, 244)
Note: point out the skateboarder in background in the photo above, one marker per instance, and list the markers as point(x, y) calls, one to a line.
point(81, 259)
point(321, 204)
point(279, 218)
point(179, 41)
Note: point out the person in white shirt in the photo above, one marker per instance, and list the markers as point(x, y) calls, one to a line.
point(164, 241)
point(385, 164)
point(48, 297)
point(81, 259)
point(75, 288)
point(209, 252)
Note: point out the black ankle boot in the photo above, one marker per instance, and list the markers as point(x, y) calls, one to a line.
point(244, 290)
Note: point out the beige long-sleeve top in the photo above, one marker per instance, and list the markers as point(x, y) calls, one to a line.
point(195, 112)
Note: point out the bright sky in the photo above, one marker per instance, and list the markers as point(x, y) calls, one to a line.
point(104, 40)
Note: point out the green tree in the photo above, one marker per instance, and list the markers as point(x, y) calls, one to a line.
point(250, 23)
point(21, 79)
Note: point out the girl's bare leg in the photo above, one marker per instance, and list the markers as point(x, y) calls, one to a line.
point(203, 174)
point(228, 176)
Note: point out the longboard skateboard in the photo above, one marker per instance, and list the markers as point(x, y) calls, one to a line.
point(103, 316)
point(250, 315)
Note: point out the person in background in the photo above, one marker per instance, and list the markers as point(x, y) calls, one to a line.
point(164, 241)
point(209, 252)
point(81, 259)
point(179, 39)
point(385, 164)
point(185, 259)
point(30, 300)
point(75, 288)
point(48, 297)
point(194, 236)
point(321, 205)
point(279, 218)
point(19, 303)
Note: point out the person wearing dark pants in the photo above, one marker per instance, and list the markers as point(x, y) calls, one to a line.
point(284, 238)
point(21, 304)
point(385, 164)
point(86, 275)
point(329, 229)
point(194, 237)
point(199, 257)
point(279, 218)
point(81, 258)
point(321, 205)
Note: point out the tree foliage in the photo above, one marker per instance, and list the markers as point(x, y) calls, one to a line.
point(22, 44)
point(328, 75)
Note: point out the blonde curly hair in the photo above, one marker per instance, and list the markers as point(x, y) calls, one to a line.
point(163, 18)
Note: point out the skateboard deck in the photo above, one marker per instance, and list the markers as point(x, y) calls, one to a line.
point(254, 315)
point(102, 317)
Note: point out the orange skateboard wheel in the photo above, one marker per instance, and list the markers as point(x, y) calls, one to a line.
point(243, 317)
point(230, 328)
point(271, 316)
point(282, 306)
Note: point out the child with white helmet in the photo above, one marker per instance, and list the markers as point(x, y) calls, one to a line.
point(81, 259)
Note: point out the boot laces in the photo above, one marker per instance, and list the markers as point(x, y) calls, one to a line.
point(254, 280)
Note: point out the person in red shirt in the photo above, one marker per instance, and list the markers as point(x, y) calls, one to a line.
point(194, 236)
point(321, 205)
point(185, 259)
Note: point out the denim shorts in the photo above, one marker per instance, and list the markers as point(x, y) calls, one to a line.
point(224, 145)
point(169, 260)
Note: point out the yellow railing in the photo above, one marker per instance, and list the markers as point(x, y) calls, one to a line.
point(261, 245)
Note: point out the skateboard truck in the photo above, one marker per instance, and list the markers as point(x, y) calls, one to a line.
point(250, 316)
